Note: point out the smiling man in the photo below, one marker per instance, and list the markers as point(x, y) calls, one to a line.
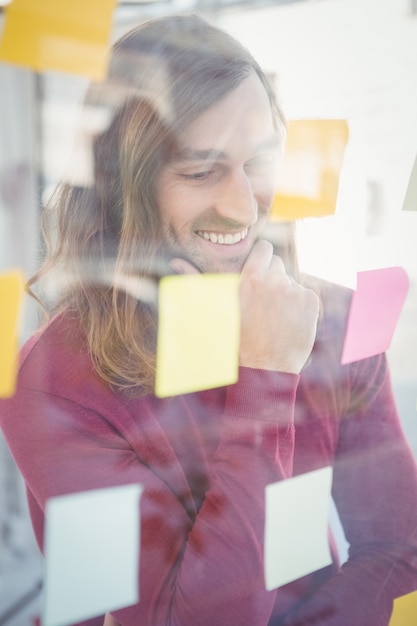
point(215, 192)
point(184, 178)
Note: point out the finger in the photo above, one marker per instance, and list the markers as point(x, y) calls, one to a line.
point(181, 266)
point(259, 258)
point(278, 272)
point(277, 265)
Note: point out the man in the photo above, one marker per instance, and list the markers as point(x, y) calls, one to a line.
point(184, 177)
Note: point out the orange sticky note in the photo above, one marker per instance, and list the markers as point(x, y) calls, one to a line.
point(198, 333)
point(67, 36)
point(308, 182)
point(405, 610)
point(11, 291)
point(375, 308)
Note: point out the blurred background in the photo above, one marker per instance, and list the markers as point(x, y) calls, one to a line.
point(348, 59)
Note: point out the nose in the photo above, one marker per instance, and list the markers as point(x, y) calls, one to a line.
point(236, 198)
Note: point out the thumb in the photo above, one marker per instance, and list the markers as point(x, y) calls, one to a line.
point(181, 266)
point(109, 620)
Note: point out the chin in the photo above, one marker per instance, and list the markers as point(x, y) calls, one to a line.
point(227, 267)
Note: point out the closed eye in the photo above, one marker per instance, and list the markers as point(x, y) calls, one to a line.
point(201, 173)
point(261, 164)
point(198, 175)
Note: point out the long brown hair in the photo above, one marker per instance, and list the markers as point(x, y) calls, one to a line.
point(162, 75)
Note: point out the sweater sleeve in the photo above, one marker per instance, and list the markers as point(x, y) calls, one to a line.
point(221, 580)
point(375, 490)
point(204, 569)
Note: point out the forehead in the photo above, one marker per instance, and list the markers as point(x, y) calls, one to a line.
point(242, 119)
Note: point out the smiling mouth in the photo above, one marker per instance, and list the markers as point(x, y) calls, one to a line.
point(227, 239)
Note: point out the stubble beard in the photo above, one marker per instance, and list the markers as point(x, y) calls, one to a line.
point(205, 263)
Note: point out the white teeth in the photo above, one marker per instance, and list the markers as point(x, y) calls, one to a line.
point(227, 238)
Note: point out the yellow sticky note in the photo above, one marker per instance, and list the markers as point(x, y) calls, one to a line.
point(405, 610)
point(410, 200)
point(198, 333)
point(11, 291)
point(308, 182)
point(70, 36)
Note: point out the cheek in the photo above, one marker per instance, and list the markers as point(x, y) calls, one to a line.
point(265, 194)
point(180, 206)
point(169, 202)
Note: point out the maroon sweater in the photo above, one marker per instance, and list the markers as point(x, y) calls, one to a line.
point(204, 460)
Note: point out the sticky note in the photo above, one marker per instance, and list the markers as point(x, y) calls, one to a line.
point(296, 527)
point(405, 610)
point(198, 333)
point(63, 36)
point(308, 181)
point(92, 121)
point(374, 311)
point(11, 292)
point(410, 200)
point(91, 553)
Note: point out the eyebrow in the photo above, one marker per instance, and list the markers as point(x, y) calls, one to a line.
point(189, 154)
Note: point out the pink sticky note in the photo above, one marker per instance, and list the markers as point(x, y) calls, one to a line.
point(374, 312)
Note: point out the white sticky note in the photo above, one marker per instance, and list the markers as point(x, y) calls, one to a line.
point(410, 200)
point(296, 527)
point(91, 553)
